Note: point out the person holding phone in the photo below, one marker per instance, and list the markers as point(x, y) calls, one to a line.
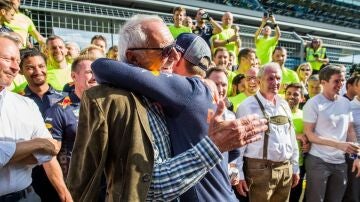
point(266, 44)
point(203, 29)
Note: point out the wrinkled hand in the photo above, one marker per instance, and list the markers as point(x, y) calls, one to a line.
point(349, 147)
point(242, 188)
point(48, 145)
point(295, 180)
point(356, 166)
point(232, 134)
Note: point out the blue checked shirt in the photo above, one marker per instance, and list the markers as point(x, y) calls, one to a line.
point(174, 176)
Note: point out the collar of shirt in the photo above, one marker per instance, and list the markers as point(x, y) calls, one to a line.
point(266, 102)
point(2, 96)
point(75, 100)
point(29, 92)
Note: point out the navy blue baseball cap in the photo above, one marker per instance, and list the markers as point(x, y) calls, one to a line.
point(194, 49)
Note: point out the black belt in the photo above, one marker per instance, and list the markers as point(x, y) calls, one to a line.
point(16, 196)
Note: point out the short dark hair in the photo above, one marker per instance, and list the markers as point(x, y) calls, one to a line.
point(245, 52)
point(96, 37)
point(237, 79)
point(296, 85)
point(221, 49)
point(7, 5)
point(329, 70)
point(30, 52)
point(279, 48)
point(353, 80)
point(215, 69)
point(53, 37)
point(180, 9)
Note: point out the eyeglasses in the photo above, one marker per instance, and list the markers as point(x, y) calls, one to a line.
point(165, 51)
point(6, 59)
point(306, 70)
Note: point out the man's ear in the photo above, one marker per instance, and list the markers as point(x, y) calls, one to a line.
point(73, 76)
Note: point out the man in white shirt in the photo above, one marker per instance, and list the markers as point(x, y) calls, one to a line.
point(328, 124)
point(270, 164)
point(24, 139)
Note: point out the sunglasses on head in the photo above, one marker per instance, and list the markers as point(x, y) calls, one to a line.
point(165, 51)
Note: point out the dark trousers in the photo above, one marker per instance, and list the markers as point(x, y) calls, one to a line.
point(295, 193)
point(324, 181)
point(42, 185)
point(352, 193)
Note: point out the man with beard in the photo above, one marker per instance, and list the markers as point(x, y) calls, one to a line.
point(251, 87)
point(33, 67)
point(328, 124)
point(273, 159)
point(288, 76)
point(59, 71)
point(294, 95)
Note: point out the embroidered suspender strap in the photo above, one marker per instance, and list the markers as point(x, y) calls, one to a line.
point(266, 136)
point(289, 118)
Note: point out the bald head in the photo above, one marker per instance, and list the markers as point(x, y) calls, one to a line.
point(227, 19)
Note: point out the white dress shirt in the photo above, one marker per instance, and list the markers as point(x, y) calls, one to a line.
point(282, 143)
point(20, 120)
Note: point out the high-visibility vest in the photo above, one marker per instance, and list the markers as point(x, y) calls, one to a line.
point(311, 59)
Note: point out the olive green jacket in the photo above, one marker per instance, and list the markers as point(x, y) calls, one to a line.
point(114, 138)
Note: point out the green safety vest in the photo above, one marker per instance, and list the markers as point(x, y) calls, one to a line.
point(311, 59)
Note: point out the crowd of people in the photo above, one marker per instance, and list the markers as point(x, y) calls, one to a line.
point(177, 112)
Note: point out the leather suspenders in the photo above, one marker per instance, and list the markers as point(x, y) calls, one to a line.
point(277, 120)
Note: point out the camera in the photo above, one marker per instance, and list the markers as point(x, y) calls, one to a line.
point(316, 55)
point(205, 16)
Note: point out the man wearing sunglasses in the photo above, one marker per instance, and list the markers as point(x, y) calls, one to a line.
point(164, 177)
point(187, 103)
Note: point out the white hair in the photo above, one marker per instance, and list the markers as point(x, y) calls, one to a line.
point(132, 34)
point(269, 65)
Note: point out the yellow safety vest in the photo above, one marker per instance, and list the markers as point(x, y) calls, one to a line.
point(311, 59)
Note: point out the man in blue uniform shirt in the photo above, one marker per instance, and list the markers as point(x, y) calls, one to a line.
point(33, 67)
point(62, 118)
